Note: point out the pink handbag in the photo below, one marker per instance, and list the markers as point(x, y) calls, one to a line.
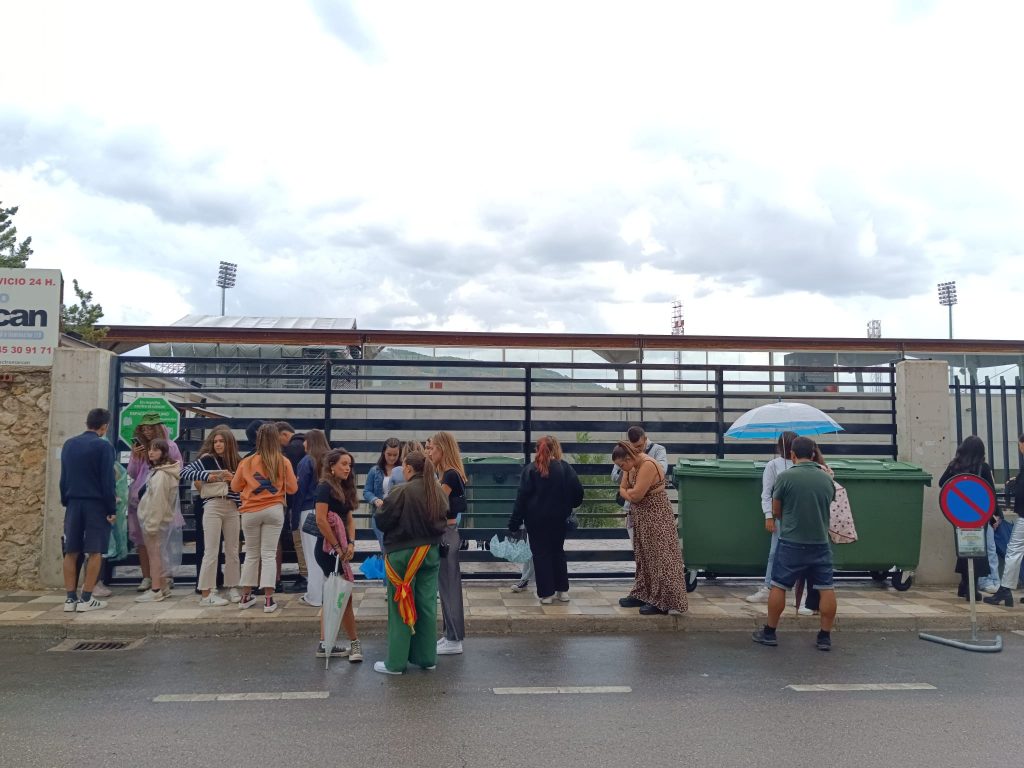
point(840, 528)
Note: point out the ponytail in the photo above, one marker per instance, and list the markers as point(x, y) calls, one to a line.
point(543, 458)
point(435, 501)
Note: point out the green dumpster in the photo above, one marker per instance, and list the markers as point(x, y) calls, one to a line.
point(722, 527)
point(491, 492)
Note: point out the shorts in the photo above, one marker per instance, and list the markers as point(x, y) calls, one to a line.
point(794, 561)
point(86, 530)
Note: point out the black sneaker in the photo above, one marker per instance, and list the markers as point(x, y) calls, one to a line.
point(764, 638)
point(521, 585)
point(823, 643)
point(631, 602)
point(337, 651)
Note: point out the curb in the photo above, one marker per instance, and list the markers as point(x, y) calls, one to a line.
point(483, 626)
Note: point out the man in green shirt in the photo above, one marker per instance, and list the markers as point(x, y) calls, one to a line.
point(801, 502)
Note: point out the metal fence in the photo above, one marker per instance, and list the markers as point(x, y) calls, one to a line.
point(497, 410)
point(993, 410)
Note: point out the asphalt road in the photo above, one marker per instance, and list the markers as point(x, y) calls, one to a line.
point(695, 700)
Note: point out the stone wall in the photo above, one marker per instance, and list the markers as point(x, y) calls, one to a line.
point(24, 432)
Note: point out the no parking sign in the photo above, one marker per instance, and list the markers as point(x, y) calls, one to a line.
point(968, 502)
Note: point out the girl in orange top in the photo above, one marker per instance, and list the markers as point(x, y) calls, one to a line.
point(263, 480)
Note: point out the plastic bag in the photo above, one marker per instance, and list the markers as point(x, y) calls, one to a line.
point(515, 551)
point(372, 567)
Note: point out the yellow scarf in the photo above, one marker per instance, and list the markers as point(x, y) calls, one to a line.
point(403, 590)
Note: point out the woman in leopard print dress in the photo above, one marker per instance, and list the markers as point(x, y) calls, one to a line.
point(660, 584)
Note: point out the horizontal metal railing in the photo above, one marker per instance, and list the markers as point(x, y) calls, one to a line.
point(499, 409)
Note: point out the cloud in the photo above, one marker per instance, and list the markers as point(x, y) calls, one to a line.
point(339, 17)
point(132, 164)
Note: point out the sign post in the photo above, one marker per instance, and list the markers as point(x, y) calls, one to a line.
point(968, 502)
point(29, 316)
point(132, 414)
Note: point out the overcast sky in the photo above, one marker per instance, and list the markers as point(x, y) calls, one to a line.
point(792, 168)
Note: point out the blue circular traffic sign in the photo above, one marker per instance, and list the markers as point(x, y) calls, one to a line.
point(967, 501)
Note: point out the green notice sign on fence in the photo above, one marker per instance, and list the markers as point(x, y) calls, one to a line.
point(134, 412)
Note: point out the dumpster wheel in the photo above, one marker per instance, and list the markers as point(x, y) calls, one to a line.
point(879, 576)
point(902, 582)
point(691, 580)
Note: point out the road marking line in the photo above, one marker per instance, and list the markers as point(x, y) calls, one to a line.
point(863, 687)
point(572, 689)
point(173, 698)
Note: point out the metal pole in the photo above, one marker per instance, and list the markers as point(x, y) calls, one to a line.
point(951, 321)
point(222, 295)
point(974, 605)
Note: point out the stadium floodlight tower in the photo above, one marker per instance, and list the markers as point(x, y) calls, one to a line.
point(225, 279)
point(947, 298)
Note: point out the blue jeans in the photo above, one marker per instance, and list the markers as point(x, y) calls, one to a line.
point(992, 580)
point(771, 557)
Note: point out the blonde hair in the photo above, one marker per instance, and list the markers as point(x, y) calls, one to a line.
point(556, 448)
point(408, 447)
point(231, 457)
point(268, 448)
point(451, 458)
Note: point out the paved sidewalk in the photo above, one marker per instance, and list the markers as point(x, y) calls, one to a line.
point(492, 608)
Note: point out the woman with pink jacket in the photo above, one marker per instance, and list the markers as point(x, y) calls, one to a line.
point(150, 428)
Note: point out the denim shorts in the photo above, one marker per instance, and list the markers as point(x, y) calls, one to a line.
point(796, 561)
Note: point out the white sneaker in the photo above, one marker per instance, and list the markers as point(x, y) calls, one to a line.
point(234, 595)
point(70, 605)
point(450, 648)
point(269, 607)
point(92, 605)
point(144, 585)
point(149, 596)
point(380, 666)
point(213, 600)
point(563, 597)
point(442, 642)
point(761, 596)
point(521, 585)
point(100, 590)
point(547, 600)
point(803, 610)
point(990, 588)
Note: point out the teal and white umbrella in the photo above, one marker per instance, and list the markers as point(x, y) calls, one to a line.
point(767, 422)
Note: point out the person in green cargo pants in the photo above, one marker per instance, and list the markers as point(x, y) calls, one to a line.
point(412, 519)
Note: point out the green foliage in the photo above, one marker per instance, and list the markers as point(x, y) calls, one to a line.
point(598, 493)
point(81, 319)
point(13, 255)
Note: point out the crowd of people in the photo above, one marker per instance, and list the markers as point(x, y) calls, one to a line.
point(299, 491)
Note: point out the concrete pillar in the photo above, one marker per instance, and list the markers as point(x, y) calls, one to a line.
point(81, 381)
point(923, 438)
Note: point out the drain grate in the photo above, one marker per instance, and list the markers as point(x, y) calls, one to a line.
point(97, 645)
point(119, 645)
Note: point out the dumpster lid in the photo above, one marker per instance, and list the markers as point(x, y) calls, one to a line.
point(877, 469)
point(492, 460)
point(848, 469)
point(743, 468)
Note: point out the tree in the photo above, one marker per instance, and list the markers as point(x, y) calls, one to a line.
point(12, 253)
point(81, 319)
point(599, 509)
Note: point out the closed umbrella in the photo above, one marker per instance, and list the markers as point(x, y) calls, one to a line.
point(337, 593)
point(767, 422)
